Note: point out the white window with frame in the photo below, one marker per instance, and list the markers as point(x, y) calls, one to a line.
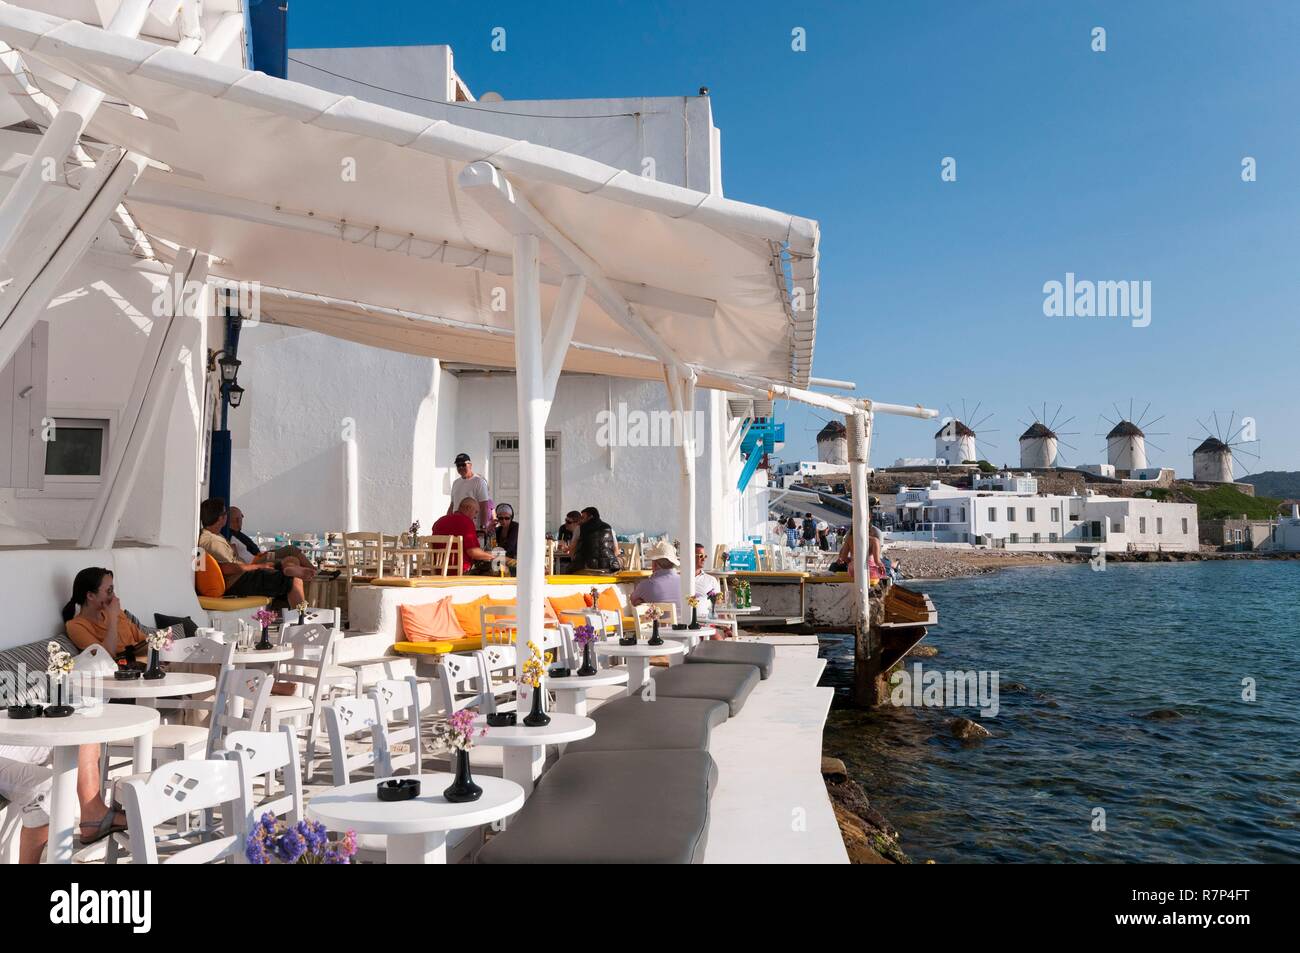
point(1184, 526)
point(76, 453)
point(1029, 515)
point(1116, 526)
point(1142, 525)
point(1038, 537)
point(1160, 525)
point(1056, 514)
point(1014, 538)
point(993, 514)
point(1052, 537)
point(1011, 514)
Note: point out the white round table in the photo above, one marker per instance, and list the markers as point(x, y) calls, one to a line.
point(171, 685)
point(737, 610)
point(571, 691)
point(524, 749)
point(638, 657)
point(280, 653)
point(416, 829)
point(95, 724)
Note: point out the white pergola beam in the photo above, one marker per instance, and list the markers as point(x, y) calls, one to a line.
point(490, 188)
point(31, 304)
point(559, 332)
point(166, 195)
point(59, 139)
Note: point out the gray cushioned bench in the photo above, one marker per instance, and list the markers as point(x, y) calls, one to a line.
point(612, 807)
point(720, 681)
point(731, 652)
point(631, 724)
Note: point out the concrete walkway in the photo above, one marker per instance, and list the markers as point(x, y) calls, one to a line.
point(771, 805)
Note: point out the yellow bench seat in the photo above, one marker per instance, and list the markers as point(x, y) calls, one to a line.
point(232, 603)
point(441, 647)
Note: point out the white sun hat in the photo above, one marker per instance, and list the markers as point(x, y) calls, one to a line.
point(661, 550)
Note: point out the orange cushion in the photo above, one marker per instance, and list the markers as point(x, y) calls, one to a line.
point(562, 604)
point(433, 622)
point(208, 581)
point(608, 599)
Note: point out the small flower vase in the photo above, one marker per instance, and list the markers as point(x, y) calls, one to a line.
point(462, 789)
point(537, 718)
point(588, 662)
point(302, 617)
point(695, 618)
point(58, 695)
point(155, 669)
point(654, 634)
point(265, 642)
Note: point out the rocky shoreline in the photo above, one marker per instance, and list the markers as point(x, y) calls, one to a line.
point(926, 563)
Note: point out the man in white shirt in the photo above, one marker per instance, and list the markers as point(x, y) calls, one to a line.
point(469, 484)
point(704, 583)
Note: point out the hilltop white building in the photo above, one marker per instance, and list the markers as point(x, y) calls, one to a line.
point(1006, 511)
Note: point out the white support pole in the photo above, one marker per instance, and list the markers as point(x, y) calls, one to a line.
point(151, 399)
point(858, 426)
point(31, 304)
point(351, 488)
point(532, 404)
point(46, 163)
point(564, 317)
point(690, 438)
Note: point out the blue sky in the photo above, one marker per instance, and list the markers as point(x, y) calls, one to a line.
point(1120, 165)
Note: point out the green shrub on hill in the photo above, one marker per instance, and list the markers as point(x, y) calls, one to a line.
point(1226, 502)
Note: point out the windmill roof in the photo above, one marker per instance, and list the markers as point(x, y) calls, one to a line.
point(1037, 430)
point(1125, 428)
point(833, 430)
point(1211, 445)
point(957, 427)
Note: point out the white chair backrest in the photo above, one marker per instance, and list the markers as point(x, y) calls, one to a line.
point(346, 718)
point(499, 666)
point(399, 703)
point(460, 680)
point(259, 754)
point(497, 624)
point(313, 651)
point(243, 695)
point(182, 788)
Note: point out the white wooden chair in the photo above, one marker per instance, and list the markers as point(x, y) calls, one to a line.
point(399, 702)
point(497, 624)
point(460, 681)
point(243, 697)
point(176, 790)
point(174, 741)
point(311, 669)
point(446, 555)
point(346, 719)
point(260, 754)
point(499, 666)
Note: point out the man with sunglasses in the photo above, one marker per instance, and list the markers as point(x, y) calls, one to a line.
point(469, 484)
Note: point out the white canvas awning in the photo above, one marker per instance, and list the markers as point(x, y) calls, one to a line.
point(354, 209)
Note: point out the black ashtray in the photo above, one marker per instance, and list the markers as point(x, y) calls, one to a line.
point(501, 719)
point(19, 712)
point(680, 626)
point(628, 641)
point(559, 671)
point(399, 789)
point(126, 674)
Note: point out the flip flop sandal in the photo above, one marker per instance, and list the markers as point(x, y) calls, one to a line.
point(104, 828)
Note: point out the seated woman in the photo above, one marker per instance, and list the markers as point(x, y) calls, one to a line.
point(101, 619)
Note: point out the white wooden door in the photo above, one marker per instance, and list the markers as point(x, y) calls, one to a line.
point(503, 477)
point(22, 412)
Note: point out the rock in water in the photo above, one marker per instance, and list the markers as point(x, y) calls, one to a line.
point(923, 651)
point(967, 730)
point(833, 770)
point(1162, 714)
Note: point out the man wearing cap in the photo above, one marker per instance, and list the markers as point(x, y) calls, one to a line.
point(664, 584)
point(469, 485)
